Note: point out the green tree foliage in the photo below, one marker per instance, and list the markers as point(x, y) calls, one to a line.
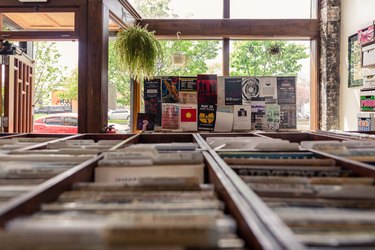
point(153, 8)
point(71, 86)
point(48, 74)
point(252, 58)
point(117, 77)
point(197, 52)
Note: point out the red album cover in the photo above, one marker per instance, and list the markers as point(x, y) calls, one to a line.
point(188, 115)
point(207, 89)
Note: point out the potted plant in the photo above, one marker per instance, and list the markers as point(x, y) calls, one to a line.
point(178, 59)
point(138, 49)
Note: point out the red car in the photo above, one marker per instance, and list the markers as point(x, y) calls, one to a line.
point(66, 123)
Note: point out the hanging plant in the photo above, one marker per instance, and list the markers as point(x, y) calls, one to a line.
point(178, 59)
point(138, 49)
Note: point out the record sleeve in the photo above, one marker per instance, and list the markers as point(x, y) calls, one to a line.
point(250, 90)
point(145, 121)
point(206, 117)
point(170, 88)
point(286, 90)
point(207, 89)
point(233, 91)
point(170, 116)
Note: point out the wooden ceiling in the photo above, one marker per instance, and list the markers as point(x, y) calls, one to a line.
point(44, 21)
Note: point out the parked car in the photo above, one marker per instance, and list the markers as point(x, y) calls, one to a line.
point(119, 114)
point(65, 123)
point(52, 109)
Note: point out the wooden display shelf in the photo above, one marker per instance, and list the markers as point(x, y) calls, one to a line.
point(272, 222)
point(250, 225)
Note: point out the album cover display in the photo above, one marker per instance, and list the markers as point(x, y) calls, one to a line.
point(152, 98)
point(288, 116)
point(260, 93)
point(206, 117)
point(188, 97)
point(188, 121)
point(145, 121)
point(170, 116)
point(286, 90)
point(242, 117)
point(233, 91)
point(170, 88)
point(188, 84)
point(258, 115)
point(250, 90)
point(207, 89)
point(268, 87)
point(273, 116)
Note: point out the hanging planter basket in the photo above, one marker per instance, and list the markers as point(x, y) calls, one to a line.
point(138, 50)
point(178, 59)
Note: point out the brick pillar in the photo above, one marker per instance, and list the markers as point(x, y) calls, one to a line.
point(330, 18)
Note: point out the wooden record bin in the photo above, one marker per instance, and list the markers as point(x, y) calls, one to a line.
point(258, 204)
point(251, 226)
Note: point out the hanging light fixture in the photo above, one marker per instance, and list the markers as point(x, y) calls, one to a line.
point(178, 59)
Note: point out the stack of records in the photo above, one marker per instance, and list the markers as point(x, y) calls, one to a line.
point(325, 205)
point(159, 201)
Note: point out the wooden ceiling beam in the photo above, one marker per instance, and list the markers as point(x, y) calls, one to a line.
point(234, 28)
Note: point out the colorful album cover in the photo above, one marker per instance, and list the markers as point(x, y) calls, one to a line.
point(145, 121)
point(207, 89)
point(233, 91)
point(206, 117)
point(288, 116)
point(170, 116)
point(188, 120)
point(286, 90)
point(169, 89)
point(188, 84)
point(250, 90)
point(152, 98)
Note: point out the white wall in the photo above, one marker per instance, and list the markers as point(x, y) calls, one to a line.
point(355, 15)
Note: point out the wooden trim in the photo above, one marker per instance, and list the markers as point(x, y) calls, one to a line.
point(38, 35)
point(97, 68)
point(226, 57)
point(314, 85)
point(48, 191)
point(82, 69)
point(121, 13)
point(315, 9)
point(269, 230)
point(136, 103)
point(49, 4)
point(360, 168)
point(235, 28)
point(226, 8)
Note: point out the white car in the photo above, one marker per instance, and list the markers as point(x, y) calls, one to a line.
point(119, 114)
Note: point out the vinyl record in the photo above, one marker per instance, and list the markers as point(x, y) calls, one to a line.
point(250, 88)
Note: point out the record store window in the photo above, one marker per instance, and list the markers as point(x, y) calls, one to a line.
point(280, 74)
point(270, 9)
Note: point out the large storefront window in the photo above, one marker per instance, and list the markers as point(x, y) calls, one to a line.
point(270, 9)
point(276, 58)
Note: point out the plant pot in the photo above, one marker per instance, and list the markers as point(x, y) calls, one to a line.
point(178, 59)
